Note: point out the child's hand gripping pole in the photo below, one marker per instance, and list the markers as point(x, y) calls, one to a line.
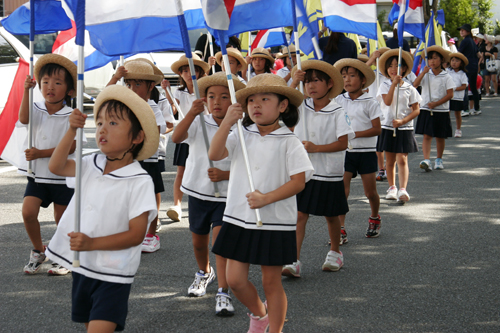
point(211, 45)
point(397, 93)
point(428, 75)
point(30, 95)
point(240, 126)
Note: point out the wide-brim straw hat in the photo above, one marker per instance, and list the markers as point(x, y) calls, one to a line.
point(384, 49)
point(292, 49)
point(141, 70)
point(268, 83)
point(142, 111)
point(395, 53)
point(363, 57)
point(156, 70)
point(60, 60)
point(329, 70)
point(439, 50)
point(260, 52)
point(218, 79)
point(235, 53)
point(183, 61)
point(359, 65)
point(460, 56)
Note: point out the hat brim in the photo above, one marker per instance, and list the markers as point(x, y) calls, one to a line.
point(294, 54)
point(329, 70)
point(440, 50)
point(142, 111)
point(263, 55)
point(359, 65)
point(60, 60)
point(395, 53)
point(464, 27)
point(460, 56)
point(218, 79)
point(184, 62)
point(146, 77)
point(238, 57)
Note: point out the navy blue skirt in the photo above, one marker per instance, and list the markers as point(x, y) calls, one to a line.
point(437, 126)
point(323, 198)
point(181, 154)
point(404, 142)
point(257, 247)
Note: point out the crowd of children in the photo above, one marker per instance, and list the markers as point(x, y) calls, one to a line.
point(302, 150)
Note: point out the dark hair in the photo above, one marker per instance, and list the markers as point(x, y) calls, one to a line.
point(462, 64)
point(155, 95)
point(332, 46)
point(346, 69)
point(431, 54)
point(290, 117)
point(117, 108)
point(147, 82)
point(322, 76)
point(234, 42)
point(51, 69)
point(198, 71)
point(267, 66)
point(389, 62)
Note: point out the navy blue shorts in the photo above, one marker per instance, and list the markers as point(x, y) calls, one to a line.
point(153, 169)
point(203, 214)
point(59, 194)
point(93, 299)
point(361, 163)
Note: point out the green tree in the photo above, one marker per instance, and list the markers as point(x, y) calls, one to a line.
point(457, 13)
point(484, 15)
point(496, 30)
point(382, 18)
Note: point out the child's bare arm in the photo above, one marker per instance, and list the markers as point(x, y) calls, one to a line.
point(446, 98)
point(414, 113)
point(339, 145)
point(462, 87)
point(59, 163)
point(218, 150)
point(181, 130)
point(123, 240)
point(420, 76)
point(374, 131)
point(24, 117)
point(390, 94)
point(120, 72)
point(296, 184)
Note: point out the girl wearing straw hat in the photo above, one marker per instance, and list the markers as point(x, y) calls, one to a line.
point(434, 119)
point(325, 139)
point(205, 207)
point(185, 98)
point(262, 62)
point(399, 112)
point(56, 76)
point(286, 71)
point(280, 168)
point(457, 71)
point(361, 157)
point(118, 204)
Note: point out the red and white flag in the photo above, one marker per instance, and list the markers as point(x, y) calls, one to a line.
point(218, 13)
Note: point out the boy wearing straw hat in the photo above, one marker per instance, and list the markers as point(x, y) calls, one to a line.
point(117, 203)
point(286, 71)
point(236, 62)
point(56, 76)
point(365, 114)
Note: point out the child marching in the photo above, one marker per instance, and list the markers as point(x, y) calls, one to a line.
point(280, 168)
point(457, 71)
point(237, 63)
point(399, 112)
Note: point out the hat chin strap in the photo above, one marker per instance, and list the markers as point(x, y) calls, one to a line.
point(274, 122)
point(55, 102)
point(124, 154)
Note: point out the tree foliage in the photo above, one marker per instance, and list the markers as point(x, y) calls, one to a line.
point(458, 12)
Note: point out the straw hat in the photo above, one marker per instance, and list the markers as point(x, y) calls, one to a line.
point(218, 79)
point(363, 57)
point(268, 83)
point(156, 70)
point(142, 111)
point(460, 56)
point(384, 49)
point(235, 53)
point(60, 60)
point(183, 61)
point(261, 52)
point(293, 50)
point(395, 53)
point(141, 70)
point(329, 70)
point(359, 65)
point(439, 50)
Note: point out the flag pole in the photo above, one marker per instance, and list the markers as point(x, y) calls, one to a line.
point(299, 66)
point(232, 92)
point(427, 59)
point(189, 56)
point(211, 44)
point(30, 95)
point(249, 54)
point(122, 61)
point(397, 94)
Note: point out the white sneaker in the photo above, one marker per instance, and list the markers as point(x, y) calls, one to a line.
point(35, 263)
point(465, 113)
point(175, 213)
point(201, 281)
point(426, 165)
point(487, 95)
point(438, 164)
point(392, 193)
point(292, 270)
point(458, 133)
point(403, 196)
point(223, 304)
point(333, 262)
point(57, 269)
point(151, 244)
point(477, 112)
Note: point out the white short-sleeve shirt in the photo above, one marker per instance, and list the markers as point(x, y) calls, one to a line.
point(283, 72)
point(459, 78)
point(108, 203)
point(195, 181)
point(361, 111)
point(273, 159)
point(410, 78)
point(439, 84)
point(160, 121)
point(408, 96)
point(166, 110)
point(48, 130)
point(185, 102)
point(324, 127)
point(373, 89)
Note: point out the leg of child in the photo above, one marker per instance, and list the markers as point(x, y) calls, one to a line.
point(380, 160)
point(426, 146)
point(220, 262)
point(100, 326)
point(458, 119)
point(154, 223)
point(440, 143)
point(31, 208)
point(200, 247)
point(347, 189)
point(391, 168)
point(334, 231)
point(276, 297)
point(58, 212)
point(301, 230)
point(403, 170)
point(243, 289)
point(370, 186)
point(177, 185)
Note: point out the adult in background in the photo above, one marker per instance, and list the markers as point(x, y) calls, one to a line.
point(202, 48)
point(337, 47)
point(470, 50)
point(490, 53)
point(393, 42)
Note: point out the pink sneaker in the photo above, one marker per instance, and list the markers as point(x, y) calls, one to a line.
point(258, 324)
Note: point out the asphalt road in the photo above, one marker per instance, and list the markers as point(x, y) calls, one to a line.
point(435, 267)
